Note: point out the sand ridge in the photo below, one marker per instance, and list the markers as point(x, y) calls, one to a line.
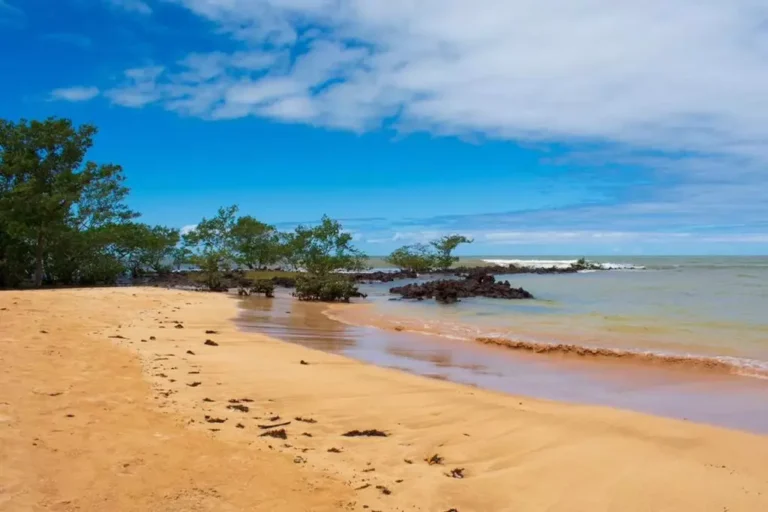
point(213, 403)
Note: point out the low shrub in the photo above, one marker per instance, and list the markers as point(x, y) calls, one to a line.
point(328, 288)
point(265, 286)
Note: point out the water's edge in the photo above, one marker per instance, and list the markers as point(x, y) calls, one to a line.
point(691, 394)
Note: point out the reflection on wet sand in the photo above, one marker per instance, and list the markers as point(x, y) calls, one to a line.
point(699, 396)
point(298, 322)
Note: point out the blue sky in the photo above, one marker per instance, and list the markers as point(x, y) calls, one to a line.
point(536, 127)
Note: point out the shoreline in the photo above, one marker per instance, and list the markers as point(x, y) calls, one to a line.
point(515, 453)
point(725, 364)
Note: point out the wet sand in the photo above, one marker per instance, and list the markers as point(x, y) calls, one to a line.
point(705, 395)
point(173, 423)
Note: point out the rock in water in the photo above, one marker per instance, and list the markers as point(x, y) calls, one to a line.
point(448, 291)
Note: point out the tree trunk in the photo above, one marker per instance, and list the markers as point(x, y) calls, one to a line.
point(39, 259)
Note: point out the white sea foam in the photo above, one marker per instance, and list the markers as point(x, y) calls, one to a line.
point(561, 264)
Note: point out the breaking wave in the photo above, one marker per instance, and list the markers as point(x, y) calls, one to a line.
point(537, 264)
point(735, 365)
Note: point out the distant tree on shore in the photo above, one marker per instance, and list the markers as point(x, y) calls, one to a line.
point(64, 221)
point(255, 244)
point(153, 248)
point(422, 258)
point(445, 247)
point(210, 243)
point(324, 248)
point(413, 258)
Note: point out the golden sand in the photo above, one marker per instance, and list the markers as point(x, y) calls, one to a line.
point(93, 418)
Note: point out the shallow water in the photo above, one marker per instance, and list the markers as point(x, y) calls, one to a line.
point(700, 396)
point(710, 307)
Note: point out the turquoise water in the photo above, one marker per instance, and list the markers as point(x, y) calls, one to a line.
point(712, 307)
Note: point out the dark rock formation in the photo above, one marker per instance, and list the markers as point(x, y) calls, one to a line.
point(383, 277)
point(451, 290)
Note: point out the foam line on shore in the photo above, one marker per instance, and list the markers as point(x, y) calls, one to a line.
point(740, 366)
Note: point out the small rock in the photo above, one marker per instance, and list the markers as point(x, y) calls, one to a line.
point(365, 433)
point(303, 362)
point(435, 459)
point(211, 343)
point(194, 384)
point(190, 352)
point(280, 434)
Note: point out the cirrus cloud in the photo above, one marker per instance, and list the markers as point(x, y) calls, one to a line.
point(74, 94)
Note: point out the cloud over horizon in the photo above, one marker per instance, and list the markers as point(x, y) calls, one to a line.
point(683, 76)
point(676, 88)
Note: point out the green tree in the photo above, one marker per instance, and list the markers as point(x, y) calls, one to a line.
point(158, 248)
point(46, 187)
point(413, 258)
point(445, 247)
point(324, 248)
point(141, 247)
point(255, 244)
point(210, 245)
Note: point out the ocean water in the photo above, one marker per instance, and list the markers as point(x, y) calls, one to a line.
point(711, 309)
point(671, 313)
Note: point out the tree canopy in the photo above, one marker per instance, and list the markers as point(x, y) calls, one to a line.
point(64, 220)
point(255, 244)
point(413, 258)
point(445, 247)
point(209, 244)
point(422, 258)
point(324, 248)
point(61, 217)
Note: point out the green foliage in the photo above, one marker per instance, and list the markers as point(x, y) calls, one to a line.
point(64, 220)
point(323, 249)
point(326, 288)
point(57, 211)
point(413, 258)
point(255, 244)
point(445, 247)
point(209, 245)
point(142, 247)
point(265, 286)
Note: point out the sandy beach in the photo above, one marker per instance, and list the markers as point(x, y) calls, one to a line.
point(112, 400)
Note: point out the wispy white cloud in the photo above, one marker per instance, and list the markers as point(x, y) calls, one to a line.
point(74, 94)
point(686, 75)
point(679, 88)
point(140, 89)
